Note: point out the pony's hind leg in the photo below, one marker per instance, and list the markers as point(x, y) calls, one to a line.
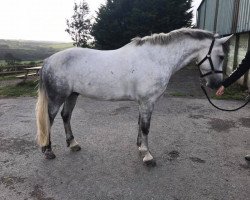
point(53, 109)
point(142, 140)
point(66, 116)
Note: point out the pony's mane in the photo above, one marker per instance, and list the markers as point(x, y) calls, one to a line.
point(166, 38)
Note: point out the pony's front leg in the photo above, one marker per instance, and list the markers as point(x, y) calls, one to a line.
point(144, 125)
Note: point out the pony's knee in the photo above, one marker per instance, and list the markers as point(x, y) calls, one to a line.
point(145, 127)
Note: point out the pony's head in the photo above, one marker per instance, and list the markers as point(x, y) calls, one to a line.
point(210, 61)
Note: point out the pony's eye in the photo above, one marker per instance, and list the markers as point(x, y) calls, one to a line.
point(222, 57)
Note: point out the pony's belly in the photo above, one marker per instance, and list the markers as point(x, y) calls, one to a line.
point(105, 93)
point(108, 97)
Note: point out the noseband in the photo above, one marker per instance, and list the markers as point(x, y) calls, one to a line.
point(208, 57)
point(213, 71)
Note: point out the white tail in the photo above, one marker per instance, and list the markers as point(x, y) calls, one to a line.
point(42, 118)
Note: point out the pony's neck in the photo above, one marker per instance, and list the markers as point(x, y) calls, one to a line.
point(183, 52)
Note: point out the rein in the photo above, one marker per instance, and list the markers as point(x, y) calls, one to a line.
point(222, 109)
point(213, 71)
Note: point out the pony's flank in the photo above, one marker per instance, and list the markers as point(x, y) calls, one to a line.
point(166, 38)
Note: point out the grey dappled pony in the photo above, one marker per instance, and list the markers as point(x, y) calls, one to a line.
point(139, 71)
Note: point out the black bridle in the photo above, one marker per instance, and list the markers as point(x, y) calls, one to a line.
point(208, 57)
point(213, 71)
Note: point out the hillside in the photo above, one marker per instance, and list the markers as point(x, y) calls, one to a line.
point(30, 50)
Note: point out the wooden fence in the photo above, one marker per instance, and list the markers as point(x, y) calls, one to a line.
point(14, 70)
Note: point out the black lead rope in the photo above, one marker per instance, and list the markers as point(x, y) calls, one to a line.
point(228, 110)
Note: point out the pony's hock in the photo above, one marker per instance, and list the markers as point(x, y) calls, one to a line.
point(139, 71)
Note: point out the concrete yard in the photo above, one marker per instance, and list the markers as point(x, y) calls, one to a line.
point(199, 152)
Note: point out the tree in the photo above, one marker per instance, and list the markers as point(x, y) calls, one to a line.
point(120, 20)
point(79, 25)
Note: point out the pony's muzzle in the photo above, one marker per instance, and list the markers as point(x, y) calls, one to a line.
point(213, 84)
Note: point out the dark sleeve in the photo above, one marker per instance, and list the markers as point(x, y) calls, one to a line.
point(242, 69)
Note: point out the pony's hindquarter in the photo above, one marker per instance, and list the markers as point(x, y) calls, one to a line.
point(42, 117)
point(48, 104)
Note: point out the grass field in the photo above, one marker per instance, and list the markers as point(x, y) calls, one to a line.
point(28, 51)
point(28, 88)
point(234, 92)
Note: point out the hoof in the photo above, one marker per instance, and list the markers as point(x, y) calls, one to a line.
point(150, 163)
point(49, 154)
point(149, 160)
point(247, 157)
point(75, 148)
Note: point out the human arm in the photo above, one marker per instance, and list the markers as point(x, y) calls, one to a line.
point(242, 69)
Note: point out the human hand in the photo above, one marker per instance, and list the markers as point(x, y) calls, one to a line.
point(220, 91)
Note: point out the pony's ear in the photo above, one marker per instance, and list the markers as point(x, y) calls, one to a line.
point(224, 40)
